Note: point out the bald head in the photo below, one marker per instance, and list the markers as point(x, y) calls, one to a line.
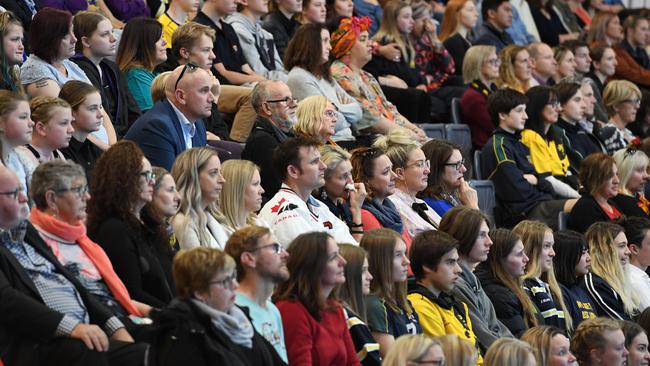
point(13, 200)
point(193, 95)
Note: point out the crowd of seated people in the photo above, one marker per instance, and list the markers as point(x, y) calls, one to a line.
point(250, 183)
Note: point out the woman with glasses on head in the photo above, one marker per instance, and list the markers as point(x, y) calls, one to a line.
point(122, 184)
point(446, 185)
point(241, 195)
point(197, 173)
point(314, 323)
point(622, 100)
point(203, 326)
point(141, 49)
point(12, 50)
point(632, 174)
point(60, 192)
point(480, 69)
point(412, 170)
point(547, 152)
point(372, 167)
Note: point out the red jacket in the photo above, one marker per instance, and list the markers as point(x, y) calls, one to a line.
point(629, 69)
point(473, 107)
point(318, 343)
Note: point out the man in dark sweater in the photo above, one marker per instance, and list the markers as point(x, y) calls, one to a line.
point(282, 23)
point(276, 115)
point(497, 16)
point(520, 191)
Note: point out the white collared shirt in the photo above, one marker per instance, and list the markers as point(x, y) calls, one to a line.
point(639, 282)
point(189, 129)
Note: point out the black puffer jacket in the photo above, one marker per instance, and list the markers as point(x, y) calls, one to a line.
point(183, 335)
point(506, 304)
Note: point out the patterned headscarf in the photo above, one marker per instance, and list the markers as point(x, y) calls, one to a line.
point(344, 37)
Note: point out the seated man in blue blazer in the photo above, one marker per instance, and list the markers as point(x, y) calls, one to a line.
point(175, 124)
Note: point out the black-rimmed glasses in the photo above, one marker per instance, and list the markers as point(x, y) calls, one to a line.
point(286, 100)
point(190, 65)
point(13, 194)
point(457, 165)
point(277, 248)
point(226, 282)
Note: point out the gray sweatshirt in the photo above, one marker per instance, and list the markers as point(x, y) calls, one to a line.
point(485, 324)
point(250, 34)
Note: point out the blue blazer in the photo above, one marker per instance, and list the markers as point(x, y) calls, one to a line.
point(159, 134)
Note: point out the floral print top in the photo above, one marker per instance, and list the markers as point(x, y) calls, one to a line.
point(434, 62)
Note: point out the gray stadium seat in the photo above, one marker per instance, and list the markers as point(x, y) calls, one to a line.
point(478, 173)
point(456, 117)
point(486, 196)
point(562, 218)
point(434, 130)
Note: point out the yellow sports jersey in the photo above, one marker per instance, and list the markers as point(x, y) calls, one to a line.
point(546, 156)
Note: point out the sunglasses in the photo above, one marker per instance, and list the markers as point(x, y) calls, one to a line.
point(191, 66)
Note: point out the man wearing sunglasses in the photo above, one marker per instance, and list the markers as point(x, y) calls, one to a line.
point(176, 123)
point(261, 266)
point(49, 316)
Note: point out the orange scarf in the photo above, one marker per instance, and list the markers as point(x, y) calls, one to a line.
point(77, 234)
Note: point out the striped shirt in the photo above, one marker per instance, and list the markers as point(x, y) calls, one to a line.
point(540, 294)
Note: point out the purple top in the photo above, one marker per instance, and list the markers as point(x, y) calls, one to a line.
point(125, 10)
point(73, 6)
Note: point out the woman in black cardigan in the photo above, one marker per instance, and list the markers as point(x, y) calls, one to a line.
point(600, 183)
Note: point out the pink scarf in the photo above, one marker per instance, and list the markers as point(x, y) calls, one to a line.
point(77, 234)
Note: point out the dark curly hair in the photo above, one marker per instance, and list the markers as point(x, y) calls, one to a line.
point(114, 185)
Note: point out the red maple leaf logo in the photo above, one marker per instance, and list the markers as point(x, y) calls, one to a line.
point(276, 208)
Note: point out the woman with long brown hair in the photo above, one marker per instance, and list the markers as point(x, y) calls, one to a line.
point(389, 313)
point(501, 277)
point(314, 323)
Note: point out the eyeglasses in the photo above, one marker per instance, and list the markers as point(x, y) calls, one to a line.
point(457, 165)
point(635, 102)
point(13, 194)
point(494, 62)
point(149, 176)
point(190, 65)
point(226, 282)
point(277, 248)
point(80, 191)
point(421, 164)
point(286, 100)
point(330, 113)
point(554, 104)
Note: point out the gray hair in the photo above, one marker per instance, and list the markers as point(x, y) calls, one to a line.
point(260, 94)
point(55, 175)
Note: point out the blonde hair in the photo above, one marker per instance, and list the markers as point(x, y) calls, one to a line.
point(540, 338)
point(397, 145)
point(532, 236)
point(617, 92)
point(409, 348)
point(238, 175)
point(332, 156)
point(474, 59)
point(158, 92)
point(508, 352)
point(458, 352)
point(194, 269)
point(507, 78)
point(186, 170)
point(590, 335)
point(606, 264)
point(310, 115)
point(43, 107)
point(627, 162)
point(389, 32)
point(188, 34)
